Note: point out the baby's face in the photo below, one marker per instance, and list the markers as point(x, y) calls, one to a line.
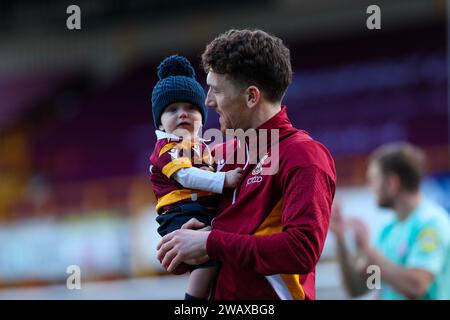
point(182, 119)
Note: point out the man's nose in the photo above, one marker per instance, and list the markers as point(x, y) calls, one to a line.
point(209, 102)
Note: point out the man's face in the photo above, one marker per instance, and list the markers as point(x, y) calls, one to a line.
point(381, 185)
point(228, 101)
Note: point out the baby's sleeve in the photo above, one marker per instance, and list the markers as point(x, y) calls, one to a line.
point(169, 159)
point(198, 179)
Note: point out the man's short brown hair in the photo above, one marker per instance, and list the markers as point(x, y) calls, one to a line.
point(404, 160)
point(251, 57)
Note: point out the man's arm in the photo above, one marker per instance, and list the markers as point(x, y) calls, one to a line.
point(295, 250)
point(307, 196)
point(412, 281)
point(353, 277)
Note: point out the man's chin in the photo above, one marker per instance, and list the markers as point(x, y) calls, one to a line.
point(223, 128)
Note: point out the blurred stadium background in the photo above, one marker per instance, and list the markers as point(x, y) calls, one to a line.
point(76, 125)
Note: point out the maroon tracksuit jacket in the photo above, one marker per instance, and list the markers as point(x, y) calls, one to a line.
point(270, 231)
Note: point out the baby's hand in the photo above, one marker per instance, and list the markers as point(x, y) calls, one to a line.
point(233, 177)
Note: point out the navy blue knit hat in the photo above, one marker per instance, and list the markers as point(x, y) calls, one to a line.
point(177, 83)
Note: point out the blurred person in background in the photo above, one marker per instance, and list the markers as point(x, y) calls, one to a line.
point(270, 232)
point(413, 250)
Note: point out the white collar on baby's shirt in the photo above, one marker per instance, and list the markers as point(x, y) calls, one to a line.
point(164, 135)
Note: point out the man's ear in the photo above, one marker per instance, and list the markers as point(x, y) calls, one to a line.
point(394, 182)
point(253, 96)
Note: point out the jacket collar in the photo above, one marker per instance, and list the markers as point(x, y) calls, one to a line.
point(278, 121)
point(281, 122)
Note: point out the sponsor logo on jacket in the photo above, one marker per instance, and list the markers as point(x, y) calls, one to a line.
point(255, 179)
point(259, 166)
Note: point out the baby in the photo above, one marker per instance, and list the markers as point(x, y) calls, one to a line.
point(182, 169)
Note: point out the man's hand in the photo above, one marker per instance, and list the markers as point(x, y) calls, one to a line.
point(194, 224)
point(337, 223)
point(184, 245)
point(182, 269)
point(361, 234)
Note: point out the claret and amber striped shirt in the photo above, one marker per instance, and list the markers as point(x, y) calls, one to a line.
point(183, 171)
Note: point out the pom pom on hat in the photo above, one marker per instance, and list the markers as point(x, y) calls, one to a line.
point(175, 66)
